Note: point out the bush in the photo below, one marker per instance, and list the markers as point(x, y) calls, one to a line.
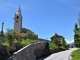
point(52, 46)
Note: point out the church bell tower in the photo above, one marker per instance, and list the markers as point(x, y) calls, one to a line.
point(18, 21)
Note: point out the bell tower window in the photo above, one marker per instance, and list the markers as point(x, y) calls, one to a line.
point(17, 17)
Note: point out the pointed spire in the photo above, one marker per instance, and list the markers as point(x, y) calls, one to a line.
point(19, 10)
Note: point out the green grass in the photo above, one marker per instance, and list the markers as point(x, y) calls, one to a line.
point(28, 41)
point(63, 47)
point(52, 46)
point(76, 55)
point(23, 42)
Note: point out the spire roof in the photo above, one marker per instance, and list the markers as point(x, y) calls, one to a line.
point(18, 11)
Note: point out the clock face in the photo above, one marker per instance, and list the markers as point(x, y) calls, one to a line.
point(17, 17)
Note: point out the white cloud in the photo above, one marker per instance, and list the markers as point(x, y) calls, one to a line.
point(69, 41)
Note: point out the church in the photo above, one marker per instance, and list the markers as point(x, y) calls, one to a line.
point(18, 22)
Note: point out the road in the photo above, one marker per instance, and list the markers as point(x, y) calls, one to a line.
point(64, 55)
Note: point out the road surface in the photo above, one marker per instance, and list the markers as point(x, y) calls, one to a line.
point(64, 55)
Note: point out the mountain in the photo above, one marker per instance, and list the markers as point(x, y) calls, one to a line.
point(72, 44)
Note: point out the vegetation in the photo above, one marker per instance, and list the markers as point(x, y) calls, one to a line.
point(60, 44)
point(11, 35)
point(52, 46)
point(76, 55)
point(23, 42)
point(64, 42)
point(77, 33)
point(30, 34)
point(31, 38)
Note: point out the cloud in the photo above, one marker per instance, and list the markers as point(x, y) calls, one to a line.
point(69, 41)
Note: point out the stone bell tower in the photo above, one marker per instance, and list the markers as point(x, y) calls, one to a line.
point(18, 21)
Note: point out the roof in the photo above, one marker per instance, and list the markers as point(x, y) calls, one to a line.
point(59, 36)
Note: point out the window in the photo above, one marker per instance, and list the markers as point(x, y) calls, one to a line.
point(17, 17)
point(17, 21)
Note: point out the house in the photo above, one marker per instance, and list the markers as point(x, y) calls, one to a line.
point(59, 39)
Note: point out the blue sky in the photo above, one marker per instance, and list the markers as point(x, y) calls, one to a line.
point(44, 17)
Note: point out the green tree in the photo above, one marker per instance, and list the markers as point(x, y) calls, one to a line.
point(63, 42)
point(77, 33)
point(29, 35)
point(36, 37)
point(9, 36)
point(76, 28)
point(18, 37)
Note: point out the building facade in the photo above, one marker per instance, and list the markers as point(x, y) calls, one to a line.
point(59, 39)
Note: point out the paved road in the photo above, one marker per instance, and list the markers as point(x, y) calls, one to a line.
point(64, 55)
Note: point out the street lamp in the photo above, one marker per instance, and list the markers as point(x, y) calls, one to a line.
point(16, 41)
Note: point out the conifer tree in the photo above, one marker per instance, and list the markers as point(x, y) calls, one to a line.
point(77, 33)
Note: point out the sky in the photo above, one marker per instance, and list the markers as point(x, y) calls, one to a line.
point(44, 17)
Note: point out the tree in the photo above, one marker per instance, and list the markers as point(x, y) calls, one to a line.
point(9, 36)
point(77, 33)
point(63, 42)
point(36, 36)
point(29, 35)
point(18, 37)
point(76, 28)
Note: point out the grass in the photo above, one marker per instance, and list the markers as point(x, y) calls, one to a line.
point(28, 41)
point(76, 55)
point(52, 46)
point(63, 47)
point(23, 42)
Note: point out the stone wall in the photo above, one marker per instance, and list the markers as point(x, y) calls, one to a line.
point(32, 52)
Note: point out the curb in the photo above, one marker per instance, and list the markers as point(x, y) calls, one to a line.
point(70, 58)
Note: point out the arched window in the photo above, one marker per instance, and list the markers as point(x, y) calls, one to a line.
point(17, 17)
